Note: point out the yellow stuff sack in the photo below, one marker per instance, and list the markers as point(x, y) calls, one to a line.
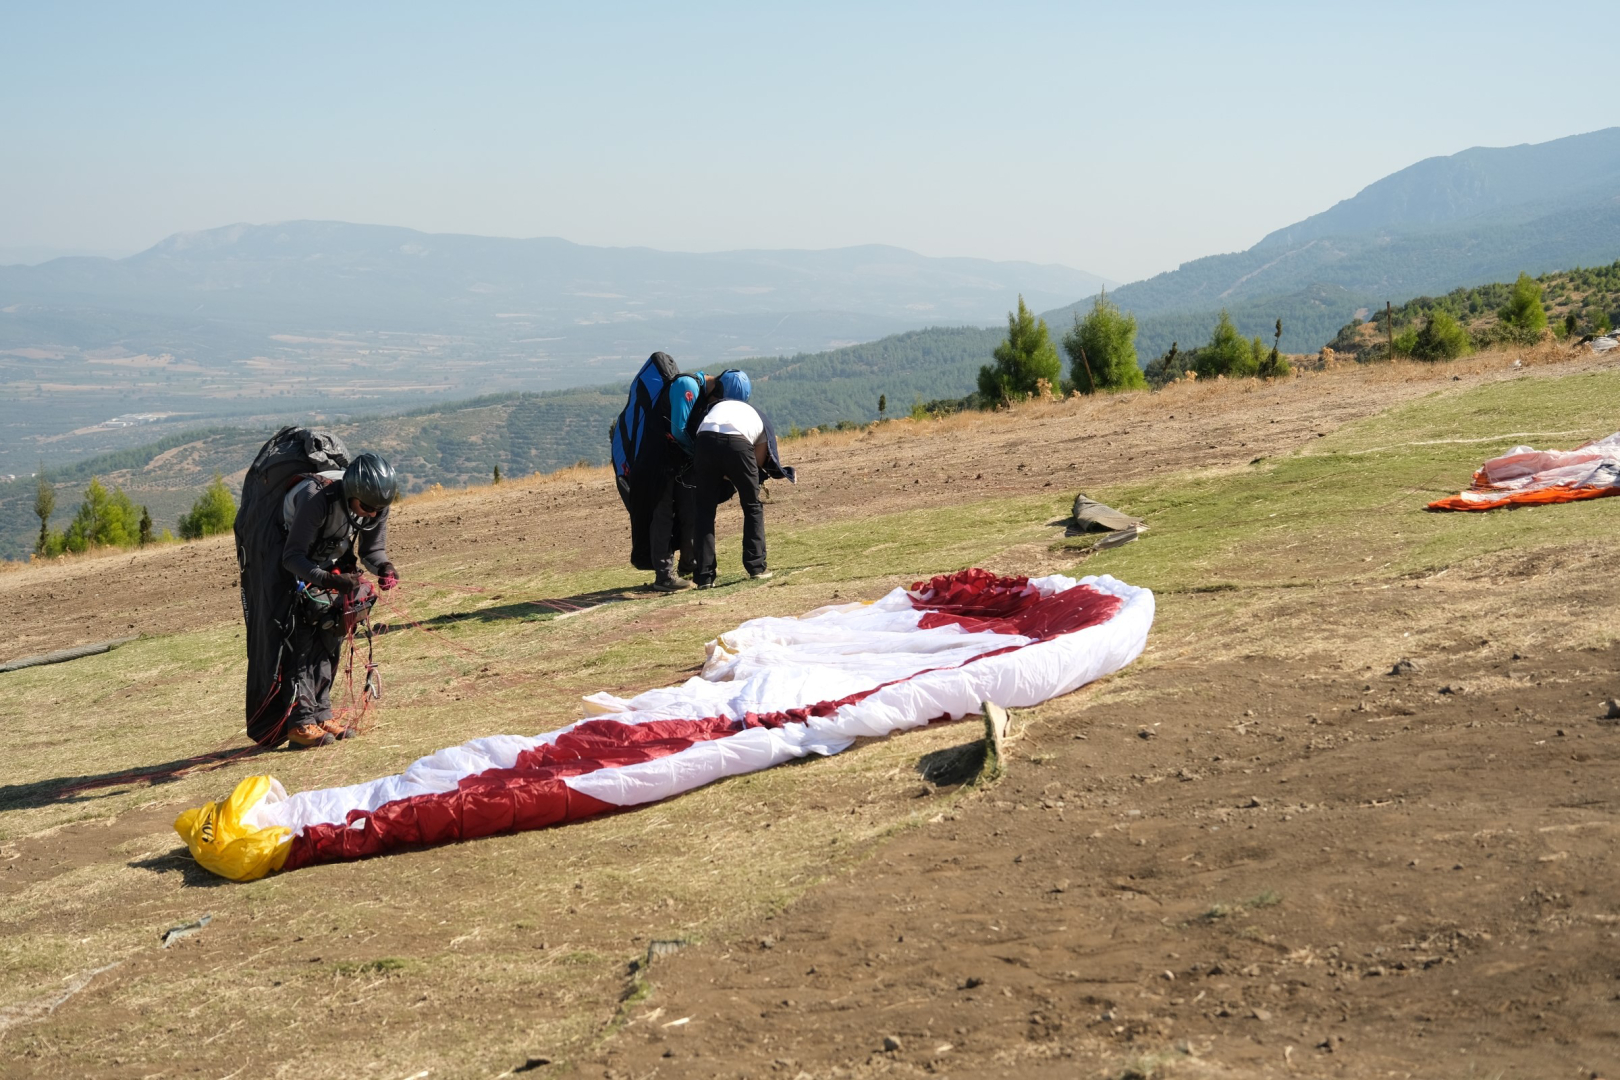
point(223, 843)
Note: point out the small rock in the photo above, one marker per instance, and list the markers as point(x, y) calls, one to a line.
point(1146, 733)
point(767, 943)
point(1405, 666)
point(1261, 1015)
point(1168, 976)
point(1611, 709)
point(972, 982)
point(890, 1044)
point(1062, 886)
point(1251, 972)
point(1254, 803)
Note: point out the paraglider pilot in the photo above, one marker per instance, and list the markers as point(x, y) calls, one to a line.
point(735, 452)
point(324, 516)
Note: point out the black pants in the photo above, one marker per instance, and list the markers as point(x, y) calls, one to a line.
point(670, 530)
point(724, 463)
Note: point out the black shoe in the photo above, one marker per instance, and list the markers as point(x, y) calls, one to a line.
point(673, 583)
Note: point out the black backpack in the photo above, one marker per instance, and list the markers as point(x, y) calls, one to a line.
point(292, 454)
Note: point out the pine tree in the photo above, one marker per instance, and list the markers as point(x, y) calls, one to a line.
point(104, 519)
point(1227, 353)
point(883, 405)
point(1102, 349)
point(1022, 361)
point(1523, 309)
point(44, 506)
point(146, 536)
point(497, 474)
point(214, 512)
point(1440, 339)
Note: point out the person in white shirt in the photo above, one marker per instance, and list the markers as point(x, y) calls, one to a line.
point(727, 458)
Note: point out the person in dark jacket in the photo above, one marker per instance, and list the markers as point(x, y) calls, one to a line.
point(674, 515)
point(325, 516)
point(734, 446)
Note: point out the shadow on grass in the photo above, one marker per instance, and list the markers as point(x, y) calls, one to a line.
point(525, 610)
point(180, 861)
point(560, 607)
point(65, 790)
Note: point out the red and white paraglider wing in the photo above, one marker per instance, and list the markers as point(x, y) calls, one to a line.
point(771, 690)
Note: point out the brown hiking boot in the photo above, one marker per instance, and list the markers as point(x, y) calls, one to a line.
point(336, 728)
point(305, 736)
point(672, 583)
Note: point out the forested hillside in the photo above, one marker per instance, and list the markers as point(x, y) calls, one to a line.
point(1575, 303)
point(520, 432)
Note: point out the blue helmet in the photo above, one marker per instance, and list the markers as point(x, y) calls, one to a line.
point(734, 386)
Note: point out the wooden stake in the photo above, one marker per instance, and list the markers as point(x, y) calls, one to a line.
point(995, 744)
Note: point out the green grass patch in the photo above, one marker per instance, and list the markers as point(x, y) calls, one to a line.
point(1352, 506)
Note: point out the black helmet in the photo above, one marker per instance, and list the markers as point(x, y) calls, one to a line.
point(371, 480)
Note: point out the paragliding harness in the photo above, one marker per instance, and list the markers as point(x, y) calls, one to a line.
point(273, 603)
point(638, 436)
point(644, 454)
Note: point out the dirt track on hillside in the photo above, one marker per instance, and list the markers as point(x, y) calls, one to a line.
point(1239, 867)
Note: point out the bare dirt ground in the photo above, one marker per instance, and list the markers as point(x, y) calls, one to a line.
point(1296, 875)
point(1225, 861)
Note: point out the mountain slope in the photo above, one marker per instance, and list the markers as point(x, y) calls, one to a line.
point(1477, 216)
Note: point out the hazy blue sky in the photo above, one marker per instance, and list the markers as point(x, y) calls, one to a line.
point(1121, 139)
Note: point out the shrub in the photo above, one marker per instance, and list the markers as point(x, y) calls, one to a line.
point(1102, 349)
point(1170, 367)
point(1025, 358)
point(1406, 341)
point(1442, 338)
point(1227, 353)
point(212, 513)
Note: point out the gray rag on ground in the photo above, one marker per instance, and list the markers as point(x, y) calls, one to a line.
point(1091, 516)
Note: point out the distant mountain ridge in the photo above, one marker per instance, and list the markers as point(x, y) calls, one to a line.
point(257, 320)
point(1442, 191)
point(330, 268)
point(1477, 216)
